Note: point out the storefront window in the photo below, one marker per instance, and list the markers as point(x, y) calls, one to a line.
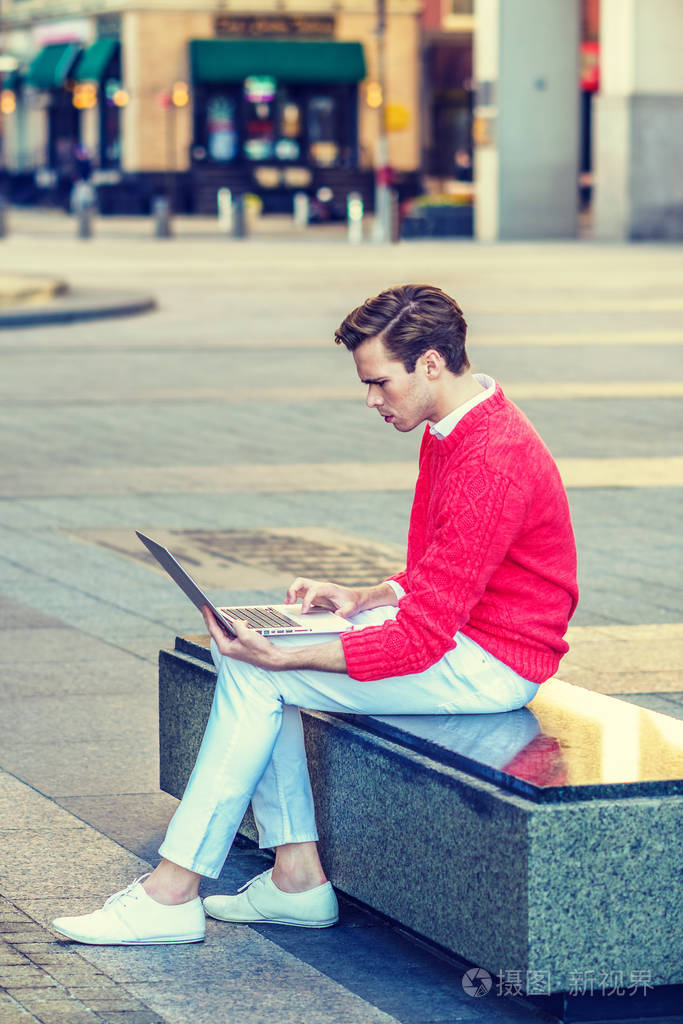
point(220, 129)
point(110, 125)
point(260, 127)
point(290, 127)
point(265, 121)
point(323, 147)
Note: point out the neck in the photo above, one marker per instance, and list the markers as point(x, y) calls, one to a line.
point(456, 391)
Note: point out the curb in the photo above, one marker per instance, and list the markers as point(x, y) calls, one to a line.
point(81, 304)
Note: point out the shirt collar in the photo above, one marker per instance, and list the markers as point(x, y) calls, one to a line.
point(443, 428)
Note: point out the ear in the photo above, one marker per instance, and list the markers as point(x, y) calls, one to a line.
point(433, 363)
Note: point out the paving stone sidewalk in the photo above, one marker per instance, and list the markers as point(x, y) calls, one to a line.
point(228, 411)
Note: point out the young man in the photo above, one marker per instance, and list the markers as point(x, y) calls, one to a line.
point(474, 623)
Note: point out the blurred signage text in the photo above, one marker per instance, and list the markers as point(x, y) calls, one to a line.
point(262, 26)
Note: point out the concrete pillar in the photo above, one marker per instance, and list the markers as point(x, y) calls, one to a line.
point(638, 127)
point(526, 127)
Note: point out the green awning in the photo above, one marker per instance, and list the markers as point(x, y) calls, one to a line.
point(93, 63)
point(12, 80)
point(216, 61)
point(52, 65)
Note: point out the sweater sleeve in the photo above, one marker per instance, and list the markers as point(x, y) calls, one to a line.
point(401, 578)
point(479, 516)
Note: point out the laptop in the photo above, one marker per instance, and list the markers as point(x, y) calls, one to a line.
point(269, 620)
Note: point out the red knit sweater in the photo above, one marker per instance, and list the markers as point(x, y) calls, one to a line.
point(490, 552)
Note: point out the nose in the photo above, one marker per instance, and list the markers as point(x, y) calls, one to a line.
point(374, 396)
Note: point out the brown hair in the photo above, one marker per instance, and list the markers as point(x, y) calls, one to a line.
point(409, 320)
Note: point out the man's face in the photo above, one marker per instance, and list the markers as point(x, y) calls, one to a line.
point(403, 399)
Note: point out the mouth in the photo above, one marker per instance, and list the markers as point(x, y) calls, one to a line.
point(387, 419)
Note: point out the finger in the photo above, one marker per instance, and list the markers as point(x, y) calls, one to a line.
point(209, 619)
point(295, 589)
point(214, 628)
point(242, 628)
point(308, 599)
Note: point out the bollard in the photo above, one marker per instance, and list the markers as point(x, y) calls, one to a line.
point(239, 223)
point(394, 217)
point(354, 217)
point(161, 211)
point(3, 217)
point(83, 206)
point(224, 201)
point(301, 210)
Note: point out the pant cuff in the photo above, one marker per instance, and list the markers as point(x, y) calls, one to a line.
point(190, 862)
point(271, 841)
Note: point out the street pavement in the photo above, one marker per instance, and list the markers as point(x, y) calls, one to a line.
point(228, 420)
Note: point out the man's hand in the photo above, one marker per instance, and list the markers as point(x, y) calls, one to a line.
point(321, 594)
point(248, 645)
point(344, 601)
point(255, 649)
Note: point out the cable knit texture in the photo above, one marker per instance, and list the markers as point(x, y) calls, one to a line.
point(491, 553)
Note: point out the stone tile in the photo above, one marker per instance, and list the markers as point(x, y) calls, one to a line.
point(603, 658)
point(99, 986)
point(86, 767)
point(617, 682)
point(24, 976)
point(129, 1016)
point(11, 955)
point(78, 977)
point(136, 821)
point(20, 932)
point(8, 912)
point(66, 719)
point(60, 1009)
point(50, 645)
point(46, 953)
point(22, 807)
point(99, 1000)
point(298, 994)
point(15, 615)
point(11, 1012)
point(64, 865)
point(121, 673)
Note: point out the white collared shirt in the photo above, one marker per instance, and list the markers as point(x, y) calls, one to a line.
point(444, 427)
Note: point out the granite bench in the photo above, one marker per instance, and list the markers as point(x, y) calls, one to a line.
point(542, 844)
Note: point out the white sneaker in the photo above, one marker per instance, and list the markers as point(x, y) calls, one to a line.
point(131, 918)
point(261, 902)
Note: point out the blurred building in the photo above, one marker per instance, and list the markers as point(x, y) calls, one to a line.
point(620, 135)
point(268, 96)
point(447, 91)
point(567, 113)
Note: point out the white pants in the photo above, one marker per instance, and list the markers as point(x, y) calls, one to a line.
point(253, 747)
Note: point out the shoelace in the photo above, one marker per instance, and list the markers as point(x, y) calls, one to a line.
point(127, 891)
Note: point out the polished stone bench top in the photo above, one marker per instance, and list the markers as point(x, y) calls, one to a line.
point(568, 744)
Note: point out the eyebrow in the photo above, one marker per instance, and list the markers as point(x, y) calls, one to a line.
point(373, 380)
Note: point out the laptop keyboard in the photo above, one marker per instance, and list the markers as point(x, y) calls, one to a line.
point(261, 618)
